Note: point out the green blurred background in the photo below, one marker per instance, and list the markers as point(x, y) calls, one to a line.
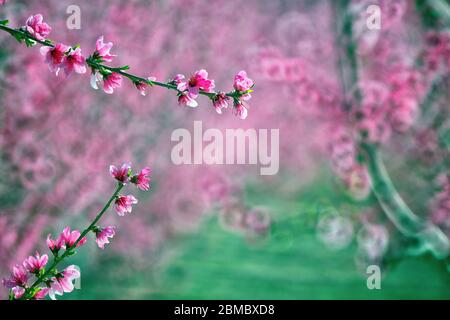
point(290, 263)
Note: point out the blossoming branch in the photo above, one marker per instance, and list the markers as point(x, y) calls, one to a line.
point(51, 281)
point(69, 59)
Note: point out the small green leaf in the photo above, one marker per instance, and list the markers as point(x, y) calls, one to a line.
point(18, 37)
point(122, 68)
point(29, 42)
point(71, 252)
point(104, 72)
point(4, 22)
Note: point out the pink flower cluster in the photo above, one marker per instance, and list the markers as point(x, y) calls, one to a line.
point(58, 283)
point(437, 53)
point(111, 80)
point(123, 204)
point(35, 266)
point(63, 57)
point(191, 88)
point(32, 266)
point(370, 116)
point(389, 106)
point(62, 282)
point(59, 56)
point(406, 89)
point(343, 153)
point(66, 240)
point(103, 235)
point(188, 91)
point(70, 59)
point(243, 85)
point(36, 26)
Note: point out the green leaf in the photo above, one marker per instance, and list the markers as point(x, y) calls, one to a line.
point(122, 68)
point(4, 22)
point(18, 37)
point(70, 252)
point(29, 42)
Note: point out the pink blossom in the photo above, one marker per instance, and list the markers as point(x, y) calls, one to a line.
point(41, 293)
point(179, 78)
point(63, 282)
point(240, 110)
point(111, 82)
point(121, 174)
point(124, 204)
point(141, 87)
point(342, 147)
point(74, 62)
point(395, 11)
point(142, 180)
point(55, 245)
point(36, 263)
point(70, 237)
point(404, 114)
point(55, 288)
point(19, 277)
point(103, 234)
point(18, 292)
point(242, 83)
point(102, 50)
point(71, 273)
point(37, 28)
point(198, 81)
point(374, 128)
point(246, 97)
point(55, 56)
point(437, 52)
point(81, 242)
point(220, 101)
point(185, 99)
